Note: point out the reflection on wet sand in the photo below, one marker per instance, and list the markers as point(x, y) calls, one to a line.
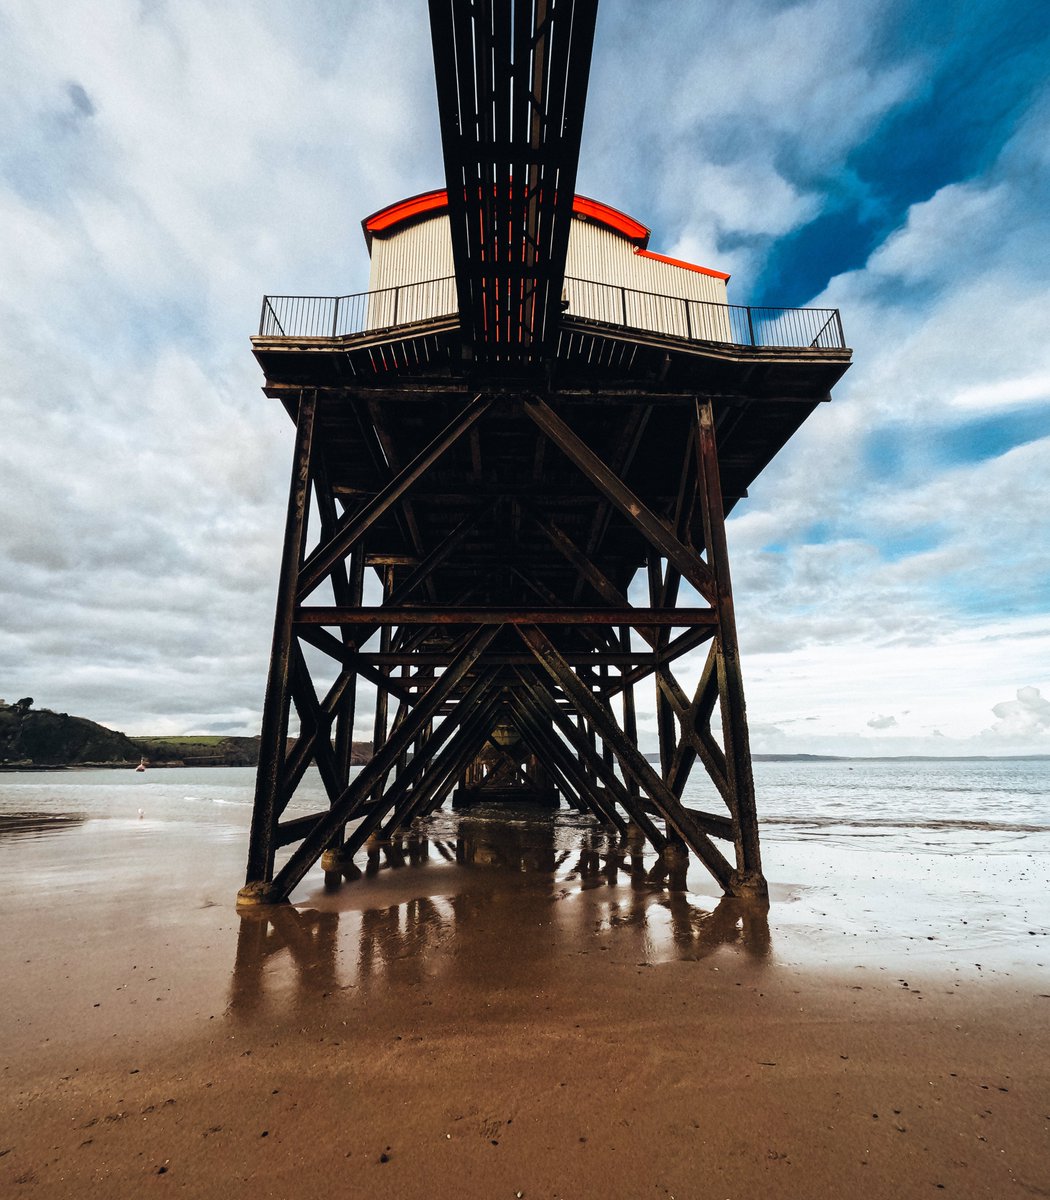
point(34, 825)
point(484, 903)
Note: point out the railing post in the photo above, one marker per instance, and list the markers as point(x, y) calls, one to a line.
point(397, 293)
point(623, 305)
point(335, 317)
point(262, 316)
point(750, 327)
point(688, 323)
point(842, 336)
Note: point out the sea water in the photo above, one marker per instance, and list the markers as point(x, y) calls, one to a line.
point(930, 801)
point(864, 857)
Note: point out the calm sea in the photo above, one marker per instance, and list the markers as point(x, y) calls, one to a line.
point(866, 860)
point(988, 798)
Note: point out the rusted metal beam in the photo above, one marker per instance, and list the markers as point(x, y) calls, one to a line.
point(648, 663)
point(421, 767)
point(575, 658)
point(696, 737)
point(544, 742)
point(320, 562)
point(344, 730)
point(579, 741)
point(678, 617)
point(730, 680)
point(318, 719)
point(654, 528)
point(630, 758)
point(344, 808)
point(583, 563)
point(274, 733)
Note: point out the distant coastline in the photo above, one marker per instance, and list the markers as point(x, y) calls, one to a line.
point(34, 739)
point(41, 740)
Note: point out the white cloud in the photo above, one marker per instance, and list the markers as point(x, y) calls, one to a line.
point(213, 153)
point(1022, 718)
point(722, 125)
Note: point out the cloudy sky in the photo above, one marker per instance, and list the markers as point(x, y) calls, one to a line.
point(165, 164)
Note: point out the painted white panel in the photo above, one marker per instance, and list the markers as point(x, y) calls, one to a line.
point(606, 280)
point(411, 274)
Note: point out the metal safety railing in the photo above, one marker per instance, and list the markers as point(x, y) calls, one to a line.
point(704, 320)
point(629, 308)
point(342, 316)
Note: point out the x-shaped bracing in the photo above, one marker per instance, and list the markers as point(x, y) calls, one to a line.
point(558, 685)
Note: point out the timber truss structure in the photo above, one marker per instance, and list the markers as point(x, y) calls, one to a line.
point(538, 501)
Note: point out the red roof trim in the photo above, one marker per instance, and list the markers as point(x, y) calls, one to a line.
point(582, 206)
point(405, 210)
point(437, 201)
point(612, 218)
point(677, 262)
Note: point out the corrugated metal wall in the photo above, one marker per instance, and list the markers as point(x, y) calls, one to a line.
point(608, 281)
point(605, 281)
point(420, 254)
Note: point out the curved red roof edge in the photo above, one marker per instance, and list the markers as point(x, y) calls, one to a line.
point(405, 210)
point(583, 206)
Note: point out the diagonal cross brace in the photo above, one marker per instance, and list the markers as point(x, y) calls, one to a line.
point(653, 528)
point(321, 561)
point(558, 753)
point(416, 772)
point(355, 794)
point(631, 759)
point(578, 740)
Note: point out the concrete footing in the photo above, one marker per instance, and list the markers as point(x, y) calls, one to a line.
point(748, 885)
point(253, 895)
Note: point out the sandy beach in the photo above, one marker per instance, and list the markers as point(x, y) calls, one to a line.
point(503, 1010)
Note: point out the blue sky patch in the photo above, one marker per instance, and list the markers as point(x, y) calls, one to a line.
point(985, 61)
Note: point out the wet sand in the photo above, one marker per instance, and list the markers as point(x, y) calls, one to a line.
point(501, 1010)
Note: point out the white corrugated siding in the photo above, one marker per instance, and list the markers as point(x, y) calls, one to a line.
point(608, 281)
point(420, 254)
point(605, 281)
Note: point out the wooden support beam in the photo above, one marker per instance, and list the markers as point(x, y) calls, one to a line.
point(320, 562)
point(630, 758)
point(654, 528)
point(274, 733)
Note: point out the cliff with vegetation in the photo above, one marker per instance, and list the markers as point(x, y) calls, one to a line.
point(39, 737)
point(34, 738)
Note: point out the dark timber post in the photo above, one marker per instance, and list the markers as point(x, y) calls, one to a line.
point(730, 680)
point(274, 735)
